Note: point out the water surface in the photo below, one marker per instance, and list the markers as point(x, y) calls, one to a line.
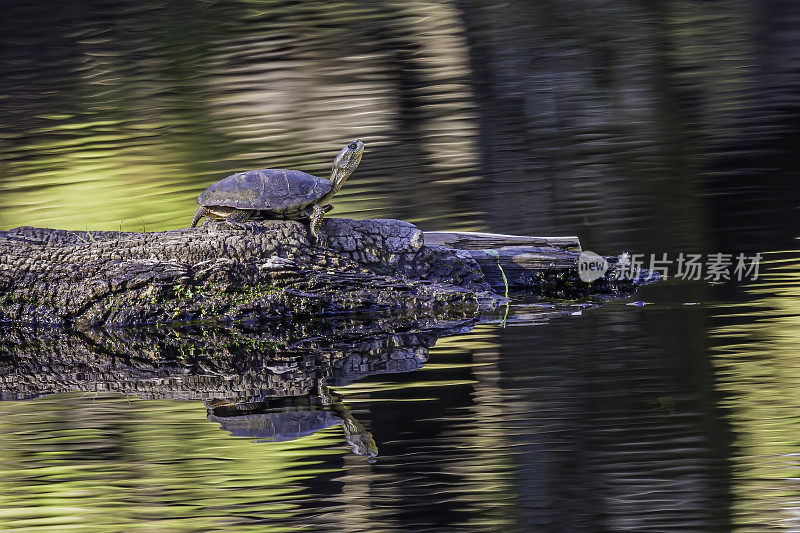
point(642, 127)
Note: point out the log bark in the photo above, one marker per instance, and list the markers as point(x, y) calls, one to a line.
point(268, 271)
point(546, 266)
point(473, 240)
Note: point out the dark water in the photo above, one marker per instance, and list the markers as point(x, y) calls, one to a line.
point(640, 126)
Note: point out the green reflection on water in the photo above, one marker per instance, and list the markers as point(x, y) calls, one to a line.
point(124, 464)
point(758, 364)
point(138, 125)
point(114, 463)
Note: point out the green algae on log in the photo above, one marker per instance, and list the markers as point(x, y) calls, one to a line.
point(270, 270)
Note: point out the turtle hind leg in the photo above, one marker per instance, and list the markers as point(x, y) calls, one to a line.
point(201, 212)
point(238, 218)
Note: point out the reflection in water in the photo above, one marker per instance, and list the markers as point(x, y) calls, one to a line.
point(158, 115)
point(756, 342)
point(267, 385)
point(291, 418)
point(520, 118)
point(116, 464)
point(607, 418)
point(247, 365)
point(640, 126)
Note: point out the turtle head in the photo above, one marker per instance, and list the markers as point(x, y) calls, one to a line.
point(346, 162)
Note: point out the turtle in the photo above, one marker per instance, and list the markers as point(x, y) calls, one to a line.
point(277, 193)
point(291, 417)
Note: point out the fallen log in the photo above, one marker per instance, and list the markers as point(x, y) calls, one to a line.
point(271, 270)
point(547, 266)
point(474, 240)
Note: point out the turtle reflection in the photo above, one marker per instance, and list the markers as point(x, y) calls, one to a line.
point(292, 417)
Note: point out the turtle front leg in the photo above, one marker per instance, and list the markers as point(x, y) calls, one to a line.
point(200, 213)
point(238, 218)
point(360, 440)
point(316, 224)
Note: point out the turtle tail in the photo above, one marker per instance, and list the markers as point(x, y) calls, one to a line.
point(197, 216)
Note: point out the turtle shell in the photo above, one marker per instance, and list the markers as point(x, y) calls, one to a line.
point(270, 189)
point(277, 425)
